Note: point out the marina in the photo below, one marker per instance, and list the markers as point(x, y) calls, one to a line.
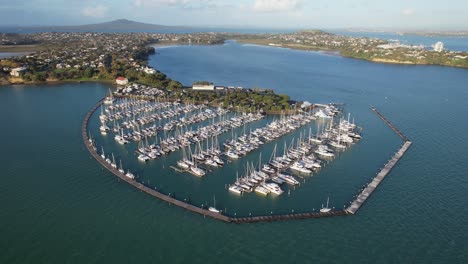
point(218, 214)
point(54, 188)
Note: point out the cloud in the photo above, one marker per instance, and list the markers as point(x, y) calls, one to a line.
point(186, 4)
point(276, 5)
point(407, 12)
point(94, 11)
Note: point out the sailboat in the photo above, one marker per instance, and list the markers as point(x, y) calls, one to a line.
point(121, 170)
point(213, 208)
point(325, 209)
point(109, 99)
point(103, 155)
point(113, 164)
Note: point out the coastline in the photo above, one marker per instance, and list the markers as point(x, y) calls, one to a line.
point(17, 81)
point(337, 52)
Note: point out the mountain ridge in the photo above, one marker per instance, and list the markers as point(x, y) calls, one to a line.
point(118, 25)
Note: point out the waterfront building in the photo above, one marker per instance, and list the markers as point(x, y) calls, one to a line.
point(121, 80)
point(17, 71)
point(439, 46)
point(203, 87)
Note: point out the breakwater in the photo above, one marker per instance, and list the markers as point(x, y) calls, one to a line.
point(372, 186)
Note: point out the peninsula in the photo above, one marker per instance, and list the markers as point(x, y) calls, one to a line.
point(370, 49)
point(95, 56)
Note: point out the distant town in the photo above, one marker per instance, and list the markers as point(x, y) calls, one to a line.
point(370, 49)
point(122, 58)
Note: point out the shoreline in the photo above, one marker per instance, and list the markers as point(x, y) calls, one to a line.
point(4, 82)
point(339, 53)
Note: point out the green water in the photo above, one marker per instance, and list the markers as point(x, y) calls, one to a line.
point(59, 206)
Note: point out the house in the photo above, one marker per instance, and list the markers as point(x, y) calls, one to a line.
point(203, 87)
point(149, 70)
point(121, 80)
point(17, 71)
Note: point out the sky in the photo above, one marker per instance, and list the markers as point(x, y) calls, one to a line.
point(376, 14)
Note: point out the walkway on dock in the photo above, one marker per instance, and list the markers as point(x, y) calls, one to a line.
point(370, 188)
point(352, 209)
point(397, 131)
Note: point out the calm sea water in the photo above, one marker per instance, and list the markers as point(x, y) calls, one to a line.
point(4, 55)
point(58, 205)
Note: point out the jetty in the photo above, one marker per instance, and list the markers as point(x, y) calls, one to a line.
point(351, 210)
point(372, 186)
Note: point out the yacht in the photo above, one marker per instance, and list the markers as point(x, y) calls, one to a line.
point(218, 160)
point(288, 179)
point(262, 190)
point(143, 158)
point(300, 167)
point(211, 162)
point(235, 189)
point(322, 114)
point(183, 164)
point(103, 155)
point(213, 208)
point(121, 170)
point(130, 175)
point(274, 188)
point(268, 169)
point(232, 154)
point(337, 145)
point(324, 151)
point(325, 209)
point(197, 171)
point(109, 99)
point(278, 180)
point(103, 128)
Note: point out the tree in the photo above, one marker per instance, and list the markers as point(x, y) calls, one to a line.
point(174, 86)
point(202, 83)
point(88, 73)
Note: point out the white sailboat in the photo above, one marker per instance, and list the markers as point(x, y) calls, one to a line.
point(121, 170)
point(325, 209)
point(109, 99)
point(213, 208)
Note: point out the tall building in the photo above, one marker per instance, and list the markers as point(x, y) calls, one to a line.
point(439, 46)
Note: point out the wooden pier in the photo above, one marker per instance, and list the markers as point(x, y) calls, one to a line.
point(251, 219)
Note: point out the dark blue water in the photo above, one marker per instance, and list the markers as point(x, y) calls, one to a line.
point(58, 205)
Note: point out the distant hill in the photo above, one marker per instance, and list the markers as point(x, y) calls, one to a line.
point(119, 25)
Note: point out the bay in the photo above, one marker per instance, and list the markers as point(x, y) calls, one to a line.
point(58, 205)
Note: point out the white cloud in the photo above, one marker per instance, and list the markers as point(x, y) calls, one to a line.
point(94, 11)
point(407, 12)
point(276, 5)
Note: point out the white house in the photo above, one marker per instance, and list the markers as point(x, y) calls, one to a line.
point(203, 87)
point(17, 71)
point(149, 70)
point(121, 81)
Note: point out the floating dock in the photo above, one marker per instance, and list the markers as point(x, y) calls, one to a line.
point(352, 209)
